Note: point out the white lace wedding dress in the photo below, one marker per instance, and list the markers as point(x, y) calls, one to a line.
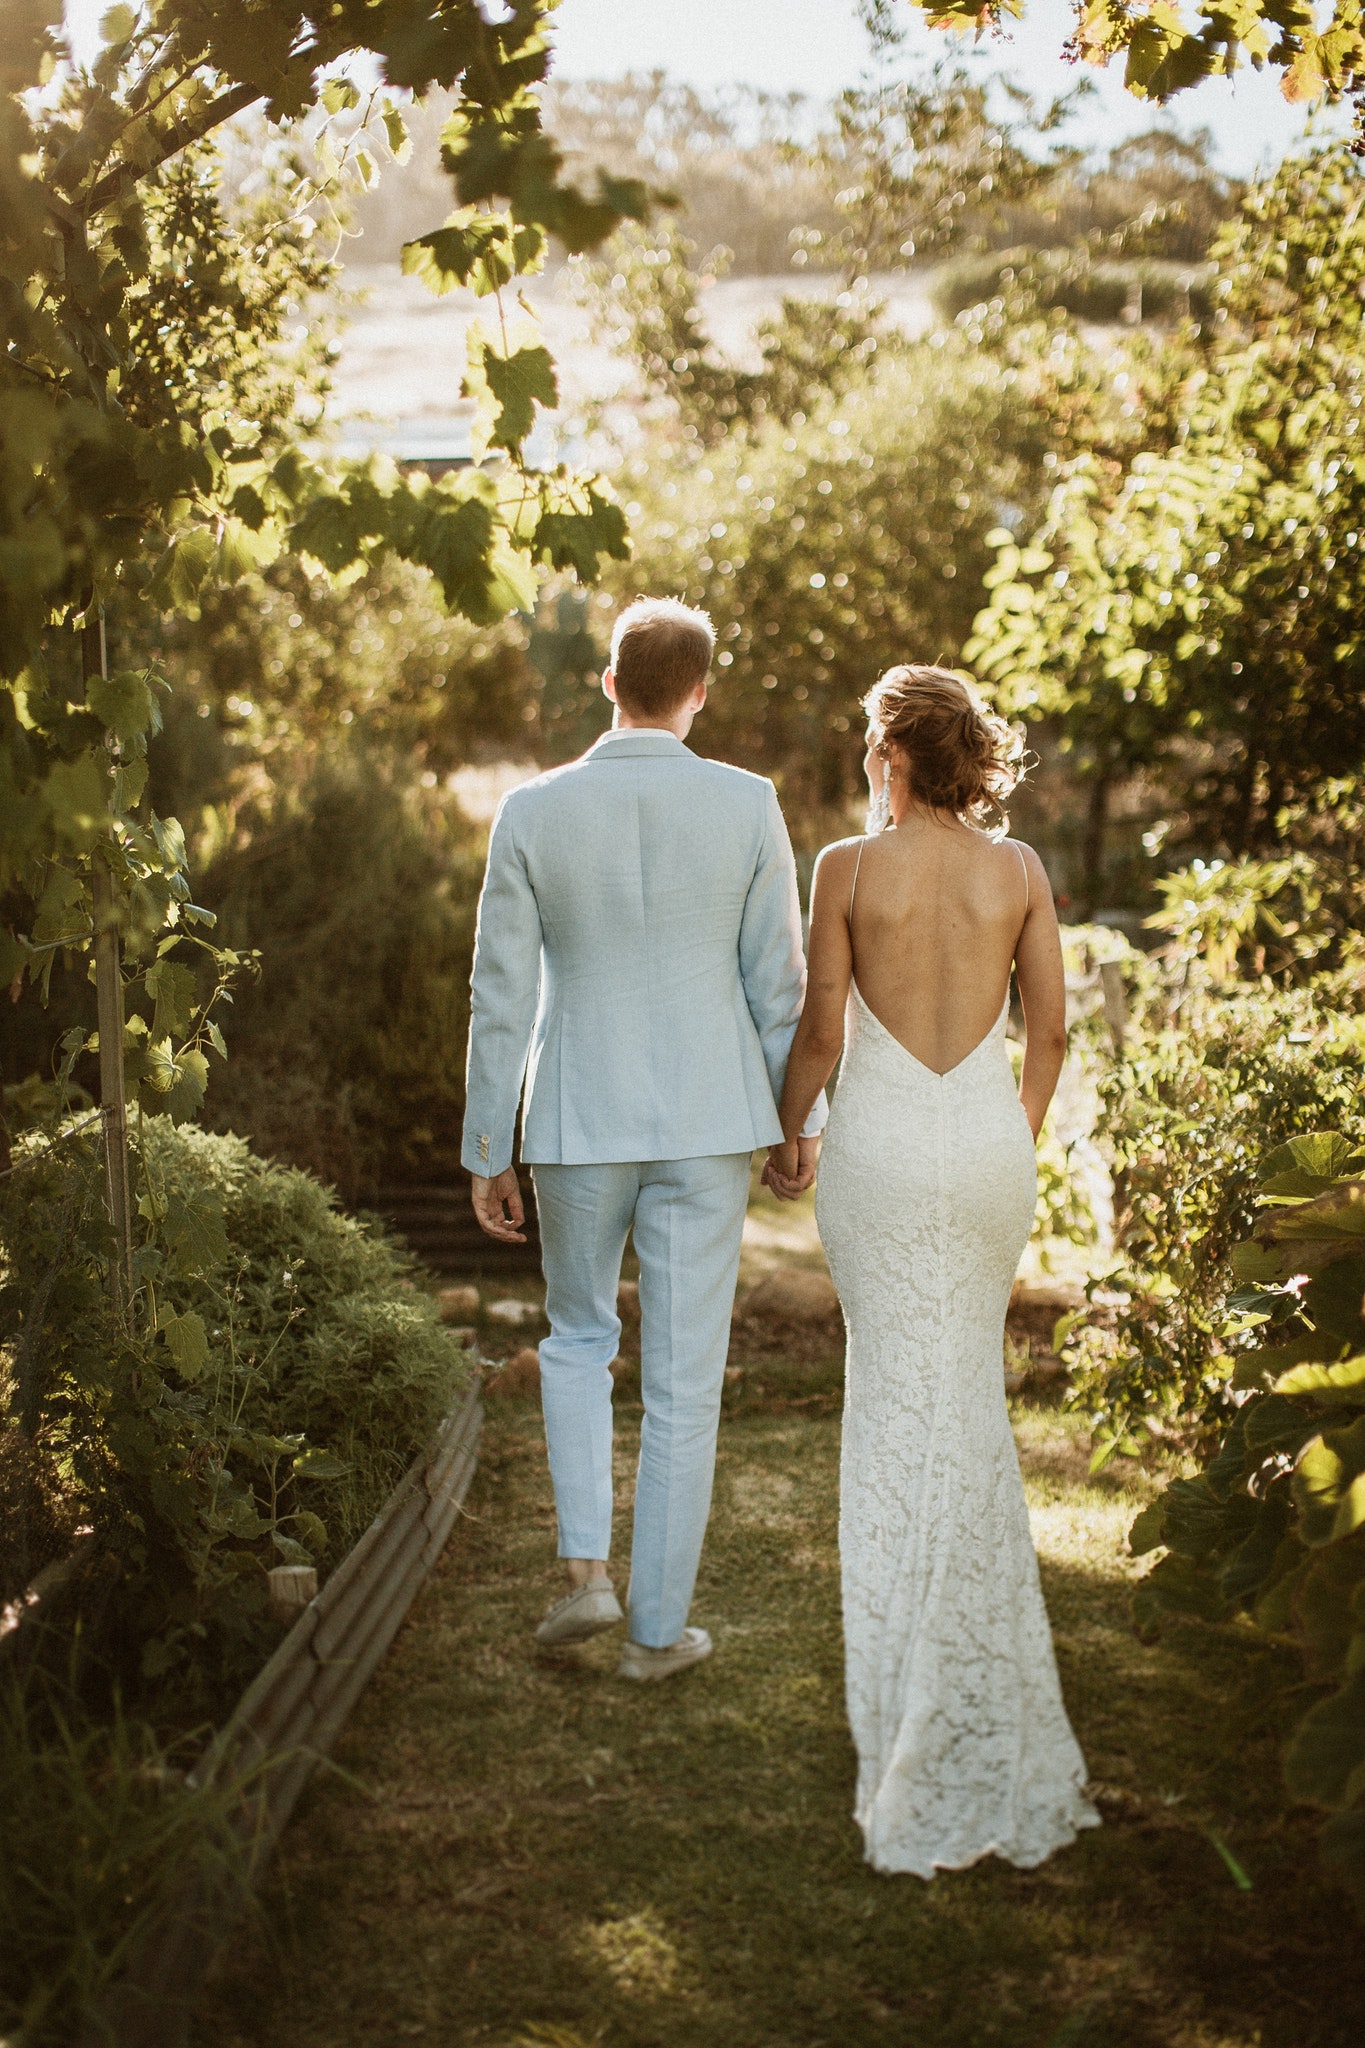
point(925, 1202)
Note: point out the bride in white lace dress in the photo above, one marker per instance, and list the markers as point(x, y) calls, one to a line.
point(925, 1202)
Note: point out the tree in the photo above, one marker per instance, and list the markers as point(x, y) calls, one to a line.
point(912, 166)
point(126, 481)
point(1164, 53)
point(1200, 607)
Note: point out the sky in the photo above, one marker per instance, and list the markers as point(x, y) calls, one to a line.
point(818, 46)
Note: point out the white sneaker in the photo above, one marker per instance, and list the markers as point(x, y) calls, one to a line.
point(638, 1660)
point(583, 1613)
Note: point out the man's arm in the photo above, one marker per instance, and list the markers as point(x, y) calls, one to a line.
point(505, 992)
point(771, 960)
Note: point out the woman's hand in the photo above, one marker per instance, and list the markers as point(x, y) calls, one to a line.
point(790, 1168)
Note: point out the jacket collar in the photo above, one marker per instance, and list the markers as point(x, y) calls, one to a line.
point(628, 743)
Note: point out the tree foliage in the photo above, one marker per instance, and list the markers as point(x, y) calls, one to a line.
point(1199, 604)
point(1273, 1527)
point(141, 464)
point(1166, 48)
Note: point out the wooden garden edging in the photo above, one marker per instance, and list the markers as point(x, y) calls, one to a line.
point(289, 1717)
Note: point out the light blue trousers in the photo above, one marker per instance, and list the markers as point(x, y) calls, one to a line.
point(688, 1217)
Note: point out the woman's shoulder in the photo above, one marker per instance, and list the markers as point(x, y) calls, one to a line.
point(839, 855)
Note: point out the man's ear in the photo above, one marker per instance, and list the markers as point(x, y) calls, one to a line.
point(609, 684)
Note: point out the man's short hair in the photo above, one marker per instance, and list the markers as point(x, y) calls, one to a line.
point(660, 650)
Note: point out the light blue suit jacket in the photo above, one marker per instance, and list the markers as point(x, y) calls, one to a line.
point(638, 962)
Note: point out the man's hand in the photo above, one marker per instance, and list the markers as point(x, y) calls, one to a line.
point(790, 1168)
point(499, 1207)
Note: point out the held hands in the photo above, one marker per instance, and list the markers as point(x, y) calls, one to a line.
point(790, 1168)
point(499, 1207)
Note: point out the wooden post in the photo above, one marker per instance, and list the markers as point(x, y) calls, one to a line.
point(1115, 1001)
point(109, 1007)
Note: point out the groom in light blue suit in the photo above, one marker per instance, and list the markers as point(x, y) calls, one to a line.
point(639, 968)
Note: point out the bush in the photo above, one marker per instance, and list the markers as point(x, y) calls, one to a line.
point(1186, 1113)
point(1273, 1527)
point(284, 1373)
point(828, 548)
point(1071, 279)
point(347, 1055)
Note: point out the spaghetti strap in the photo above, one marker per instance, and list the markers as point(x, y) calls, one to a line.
point(854, 890)
point(1022, 862)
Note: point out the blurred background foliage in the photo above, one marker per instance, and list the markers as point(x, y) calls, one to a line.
point(843, 496)
point(1118, 474)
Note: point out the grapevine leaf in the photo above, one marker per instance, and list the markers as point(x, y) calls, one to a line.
point(178, 577)
point(124, 704)
point(194, 1233)
point(506, 390)
point(1311, 1163)
point(1344, 1382)
point(396, 133)
point(191, 1083)
point(1327, 1484)
point(1145, 1534)
point(316, 1463)
point(188, 1343)
point(311, 1530)
point(173, 989)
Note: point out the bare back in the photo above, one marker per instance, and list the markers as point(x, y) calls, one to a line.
point(936, 913)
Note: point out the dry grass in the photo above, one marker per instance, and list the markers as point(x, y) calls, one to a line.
point(525, 1851)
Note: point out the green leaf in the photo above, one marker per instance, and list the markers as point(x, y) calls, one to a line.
point(1194, 1520)
point(159, 1070)
point(506, 390)
point(117, 24)
point(1339, 1213)
point(310, 1529)
point(1257, 1262)
point(1344, 1382)
point(1328, 1746)
point(1176, 1585)
point(76, 795)
point(123, 703)
point(1329, 1484)
point(319, 1464)
point(194, 1232)
point(480, 251)
point(396, 134)
point(179, 575)
point(291, 1551)
point(187, 1341)
point(186, 1098)
point(339, 95)
point(1307, 1165)
point(174, 990)
point(1145, 1534)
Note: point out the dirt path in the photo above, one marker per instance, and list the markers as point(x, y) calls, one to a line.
point(524, 1852)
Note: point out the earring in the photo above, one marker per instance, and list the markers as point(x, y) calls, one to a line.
point(879, 811)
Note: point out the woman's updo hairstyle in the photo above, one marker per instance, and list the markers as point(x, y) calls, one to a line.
point(959, 757)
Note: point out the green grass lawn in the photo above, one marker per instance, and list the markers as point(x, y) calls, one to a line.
point(521, 1851)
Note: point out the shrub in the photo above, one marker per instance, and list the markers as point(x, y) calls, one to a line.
point(347, 1055)
point(827, 548)
point(1071, 279)
point(102, 1834)
point(1206, 1082)
point(284, 1373)
point(1273, 1527)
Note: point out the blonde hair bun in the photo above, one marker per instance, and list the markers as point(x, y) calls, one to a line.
point(960, 757)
